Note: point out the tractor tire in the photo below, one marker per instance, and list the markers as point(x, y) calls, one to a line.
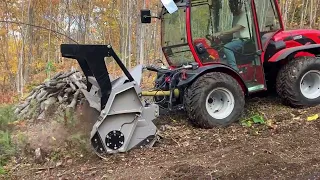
point(298, 82)
point(214, 100)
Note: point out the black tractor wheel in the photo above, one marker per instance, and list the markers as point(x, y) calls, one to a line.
point(298, 82)
point(214, 99)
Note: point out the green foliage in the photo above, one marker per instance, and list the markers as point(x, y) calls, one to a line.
point(70, 117)
point(6, 116)
point(50, 68)
point(56, 155)
point(258, 119)
point(2, 171)
point(255, 119)
point(33, 109)
point(6, 148)
point(79, 140)
point(22, 140)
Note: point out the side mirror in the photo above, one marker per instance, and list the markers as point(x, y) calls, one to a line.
point(145, 16)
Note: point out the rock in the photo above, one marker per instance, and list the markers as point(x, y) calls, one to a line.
point(93, 173)
point(162, 128)
point(69, 161)
point(104, 176)
point(63, 178)
point(83, 169)
point(59, 163)
point(185, 144)
point(110, 171)
point(38, 156)
point(167, 127)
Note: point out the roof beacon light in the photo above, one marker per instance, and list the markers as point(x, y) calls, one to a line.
point(170, 6)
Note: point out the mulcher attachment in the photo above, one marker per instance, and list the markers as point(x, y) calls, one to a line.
point(125, 122)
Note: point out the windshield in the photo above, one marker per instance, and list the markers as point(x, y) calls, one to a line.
point(218, 24)
point(174, 37)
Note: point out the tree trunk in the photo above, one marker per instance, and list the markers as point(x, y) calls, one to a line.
point(142, 37)
point(130, 33)
point(29, 37)
point(50, 26)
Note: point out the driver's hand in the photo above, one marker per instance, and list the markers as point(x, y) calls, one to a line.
point(217, 35)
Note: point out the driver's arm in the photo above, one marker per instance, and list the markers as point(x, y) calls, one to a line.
point(233, 30)
point(230, 31)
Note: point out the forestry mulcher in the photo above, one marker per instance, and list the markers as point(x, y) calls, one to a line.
point(218, 52)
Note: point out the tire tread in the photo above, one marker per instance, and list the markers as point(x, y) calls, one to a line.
point(287, 78)
point(195, 91)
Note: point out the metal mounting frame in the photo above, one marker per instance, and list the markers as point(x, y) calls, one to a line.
point(91, 60)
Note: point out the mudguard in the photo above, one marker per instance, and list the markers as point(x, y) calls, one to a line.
point(193, 75)
point(283, 54)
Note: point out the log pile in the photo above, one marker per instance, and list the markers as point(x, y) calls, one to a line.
point(59, 94)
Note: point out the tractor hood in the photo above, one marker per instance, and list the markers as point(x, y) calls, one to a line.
point(170, 5)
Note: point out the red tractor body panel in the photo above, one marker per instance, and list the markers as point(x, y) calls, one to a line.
point(299, 42)
point(297, 36)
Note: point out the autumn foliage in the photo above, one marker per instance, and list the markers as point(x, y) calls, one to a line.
point(29, 55)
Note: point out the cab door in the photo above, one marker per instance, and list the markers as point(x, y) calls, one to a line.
point(268, 21)
point(249, 59)
point(240, 51)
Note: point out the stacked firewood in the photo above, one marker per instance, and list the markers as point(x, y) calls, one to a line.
point(62, 91)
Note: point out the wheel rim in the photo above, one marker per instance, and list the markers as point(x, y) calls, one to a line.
point(220, 103)
point(310, 84)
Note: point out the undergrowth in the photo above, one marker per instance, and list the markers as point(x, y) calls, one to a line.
point(6, 117)
point(7, 148)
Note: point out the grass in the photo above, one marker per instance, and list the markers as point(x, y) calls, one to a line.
point(7, 148)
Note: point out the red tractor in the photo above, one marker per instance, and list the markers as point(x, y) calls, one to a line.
point(221, 51)
point(218, 52)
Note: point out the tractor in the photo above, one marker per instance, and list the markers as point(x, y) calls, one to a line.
point(236, 48)
point(218, 52)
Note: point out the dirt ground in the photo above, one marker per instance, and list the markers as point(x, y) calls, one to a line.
point(287, 149)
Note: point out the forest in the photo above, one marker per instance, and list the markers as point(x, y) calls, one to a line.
point(45, 123)
point(30, 54)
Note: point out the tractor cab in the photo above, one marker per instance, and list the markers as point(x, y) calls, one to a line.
point(204, 31)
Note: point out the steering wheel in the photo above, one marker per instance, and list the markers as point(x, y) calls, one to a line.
point(215, 42)
point(210, 38)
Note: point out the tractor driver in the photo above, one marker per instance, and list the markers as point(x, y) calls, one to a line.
point(240, 32)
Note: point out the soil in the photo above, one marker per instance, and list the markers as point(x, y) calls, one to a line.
point(286, 148)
